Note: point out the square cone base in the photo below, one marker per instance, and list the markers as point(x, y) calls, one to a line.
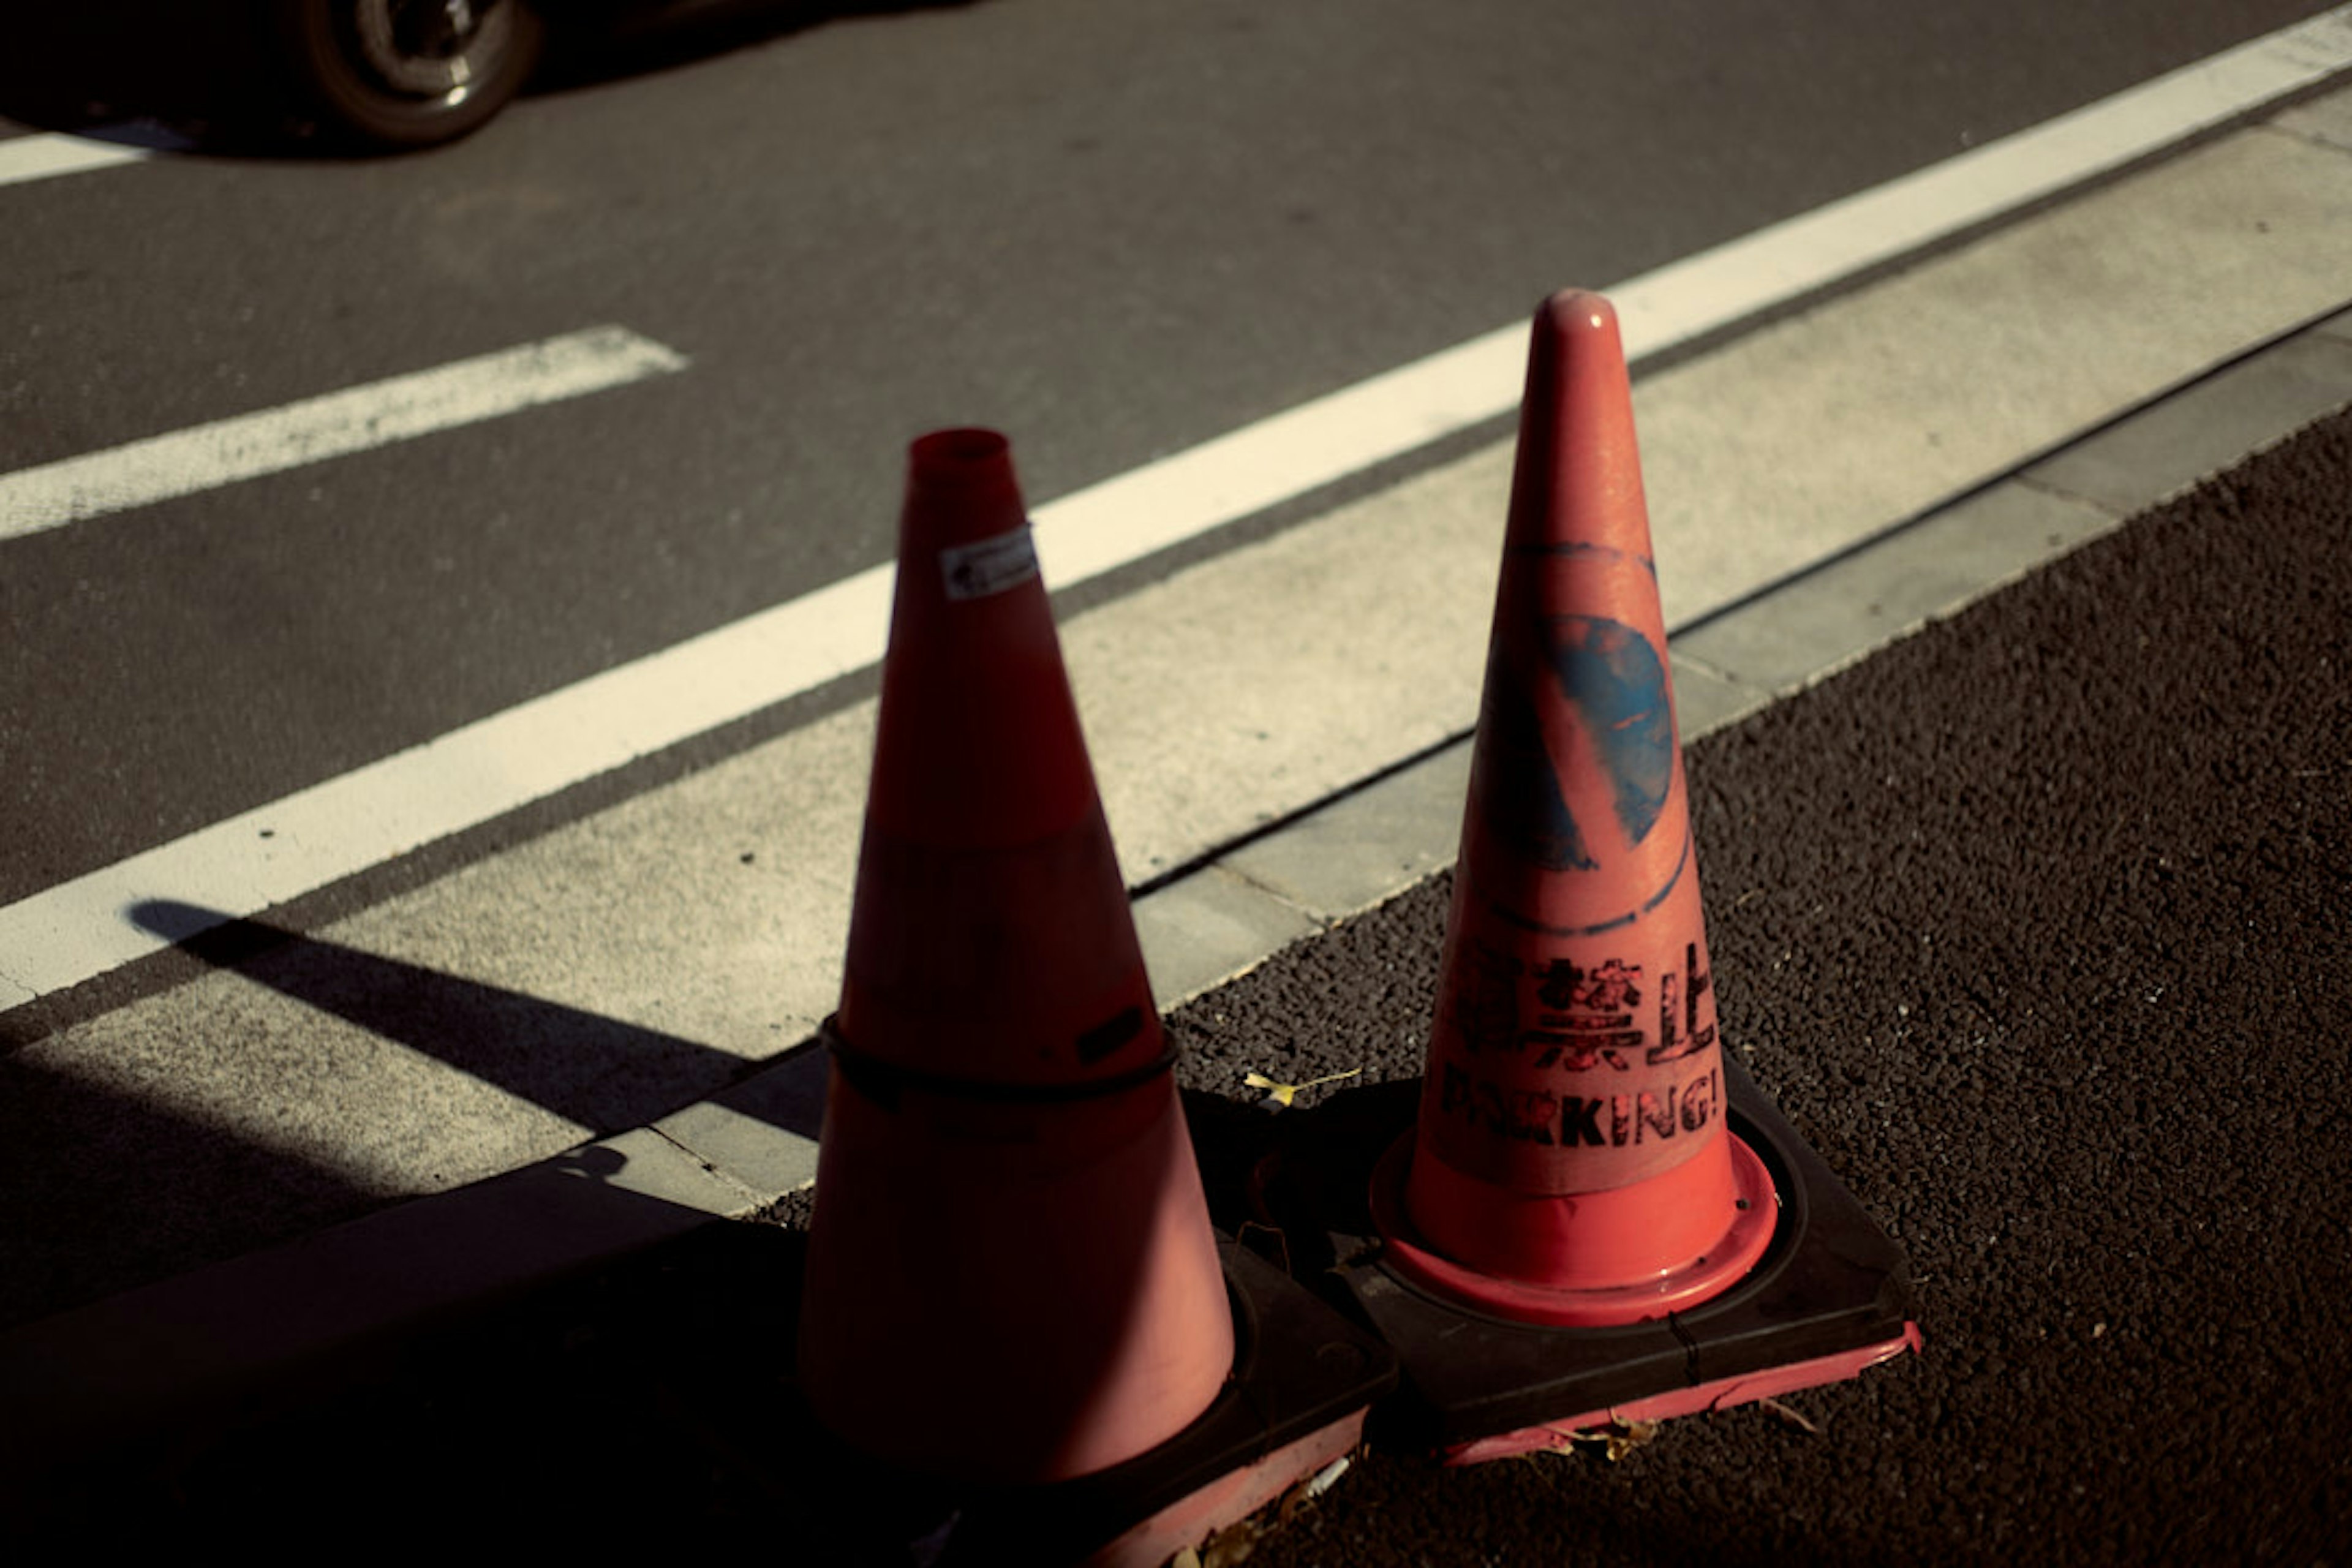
point(1304, 1381)
point(1829, 1297)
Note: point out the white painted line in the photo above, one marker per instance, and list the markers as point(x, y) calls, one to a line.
point(78, 930)
point(1317, 443)
point(53, 153)
point(81, 929)
point(376, 415)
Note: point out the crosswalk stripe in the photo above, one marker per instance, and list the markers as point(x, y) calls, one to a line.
point(204, 456)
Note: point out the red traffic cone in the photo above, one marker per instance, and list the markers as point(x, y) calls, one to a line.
point(1011, 1275)
point(1572, 1164)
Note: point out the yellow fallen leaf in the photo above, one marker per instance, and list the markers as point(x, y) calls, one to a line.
point(1279, 1095)
point(1230, 1546)
point(1618, 1438)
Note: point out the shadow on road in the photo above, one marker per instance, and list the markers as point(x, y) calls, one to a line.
point(174, 1276)
point(108, 1190)
point(450, 1351)
point(597, 1071)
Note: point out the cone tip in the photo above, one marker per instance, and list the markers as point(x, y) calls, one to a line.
point(961, 488)
point(959, 457)
point(1574, 311)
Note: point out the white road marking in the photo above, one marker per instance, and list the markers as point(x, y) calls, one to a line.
point(51, 152)
point(377, 415)
point(1394, 412)
point(81, 929)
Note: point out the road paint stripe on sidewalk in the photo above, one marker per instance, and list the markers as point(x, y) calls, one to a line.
point(82, 929)
point(184, 462)
point(78, 930)
point(52, 153)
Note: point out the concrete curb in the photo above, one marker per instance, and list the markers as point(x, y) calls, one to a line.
point(210, 1344)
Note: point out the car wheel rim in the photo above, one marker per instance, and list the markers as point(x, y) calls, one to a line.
point(432, 48)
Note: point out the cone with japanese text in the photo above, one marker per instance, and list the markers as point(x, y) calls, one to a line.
point(1572, 1164)
point(1012, 1276)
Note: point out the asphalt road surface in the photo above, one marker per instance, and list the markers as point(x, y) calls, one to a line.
point(1113, 227)
point(2029, 923)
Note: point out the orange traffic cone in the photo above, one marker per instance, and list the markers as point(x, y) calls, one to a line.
point(1585, 1211)
point(1010, 1274)
point(1572, 1163)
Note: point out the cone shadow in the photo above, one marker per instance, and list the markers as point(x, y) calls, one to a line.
point(600, 1072)
point(114, 1187)
point(162, 1269)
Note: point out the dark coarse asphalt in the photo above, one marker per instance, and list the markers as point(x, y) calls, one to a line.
point(2032, 925)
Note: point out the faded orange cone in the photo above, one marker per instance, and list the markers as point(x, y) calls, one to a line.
point(1011, 1276)
point(1572, 1164)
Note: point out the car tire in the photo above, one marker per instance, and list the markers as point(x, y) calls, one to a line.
point(388, 75)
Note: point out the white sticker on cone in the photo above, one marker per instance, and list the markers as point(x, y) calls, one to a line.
point(989, 565)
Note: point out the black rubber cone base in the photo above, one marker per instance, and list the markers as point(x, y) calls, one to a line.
point(1830, 1286)
point(1301, 1371)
